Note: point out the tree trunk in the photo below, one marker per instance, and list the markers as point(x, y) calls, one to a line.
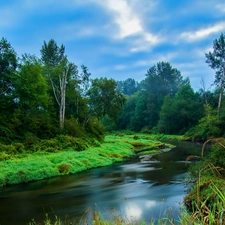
point(220, 98)
point(62, 107)
point(221, 91)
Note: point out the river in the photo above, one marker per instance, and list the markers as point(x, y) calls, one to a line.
point(133, 189)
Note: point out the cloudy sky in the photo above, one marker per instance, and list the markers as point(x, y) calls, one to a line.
point(119, 39)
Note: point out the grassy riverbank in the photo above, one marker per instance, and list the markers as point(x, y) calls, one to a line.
point(207, 195)
point(27, 166)
point(73, 157)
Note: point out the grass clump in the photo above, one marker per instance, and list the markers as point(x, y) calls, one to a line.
point(206, 200)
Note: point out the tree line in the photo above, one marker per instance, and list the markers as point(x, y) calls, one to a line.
point(46, 96)
point(165, 102)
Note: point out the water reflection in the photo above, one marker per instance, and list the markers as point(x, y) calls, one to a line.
point(135, 189)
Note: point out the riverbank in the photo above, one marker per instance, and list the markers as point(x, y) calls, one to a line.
point(32, 166)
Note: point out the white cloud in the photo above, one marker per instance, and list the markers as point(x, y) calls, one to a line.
point(124, 17)
point(129, 23)
point(202, 33)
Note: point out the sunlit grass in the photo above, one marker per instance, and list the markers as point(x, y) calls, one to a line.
point(31, 166)
point(42, 165)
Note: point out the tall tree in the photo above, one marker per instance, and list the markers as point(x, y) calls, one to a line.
point(52, 54)
point(128, 113)
point(128, 86)
point(32, 97)
point(105, 98)
point(31, 86)
point(181, 112)
point(8, 65)
point(59, 71)
point(78, 90)
point(161, 80)
point(216, 61)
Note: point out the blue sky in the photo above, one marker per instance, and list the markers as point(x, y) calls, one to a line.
point(120, 39)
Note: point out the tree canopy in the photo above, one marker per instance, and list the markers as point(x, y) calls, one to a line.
point(47, 96)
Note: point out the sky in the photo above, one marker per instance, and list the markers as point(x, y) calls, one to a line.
point(120, 39)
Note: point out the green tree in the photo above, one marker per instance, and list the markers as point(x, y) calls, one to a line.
point(128, 86)
point(31, 86)
point(8, 66)
point(216, 60)
point(32, 96)
point(59, 71)
point(128, 114)
point(105, 99)
point(181, 112)
point(52, 54)
point(166, 119)
point(207, 126)
point(161, 80)
point(77, 92)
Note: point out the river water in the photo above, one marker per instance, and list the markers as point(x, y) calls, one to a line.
point(135, 190)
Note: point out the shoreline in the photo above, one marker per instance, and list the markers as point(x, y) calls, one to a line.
point(30, 167)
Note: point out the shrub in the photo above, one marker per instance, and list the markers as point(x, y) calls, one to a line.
point(30, 139)
point(64, 167)
point(217, 153)
point(73, 128)
point(7, 135)
point(96, 130)
point(19, 147)
point(10, 149)
point(50, 145)
point(4, 156)
point(66, 142)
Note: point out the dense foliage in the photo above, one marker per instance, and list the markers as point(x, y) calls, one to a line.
point(49, 104)
point(41, 98)
point(165, 102)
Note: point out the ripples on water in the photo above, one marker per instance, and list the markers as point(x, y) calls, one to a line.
point(135, 189)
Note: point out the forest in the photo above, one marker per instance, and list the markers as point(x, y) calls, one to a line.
point(49, 96)
point(41, 98)
point(49, 104)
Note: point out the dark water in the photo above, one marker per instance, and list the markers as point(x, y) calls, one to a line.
point(134, 189)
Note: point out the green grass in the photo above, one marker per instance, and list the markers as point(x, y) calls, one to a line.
point(26, 167)
point(42, 165)
point(31, 166)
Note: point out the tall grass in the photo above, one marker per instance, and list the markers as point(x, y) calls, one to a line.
point(207, 198)
point(66, 155)
point(42, 165)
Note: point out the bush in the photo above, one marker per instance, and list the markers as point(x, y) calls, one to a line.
point(10, 149)
point(96, 130)
point(7, 135)
point(30, 139)
point(64, 168)
point(19, 147)
point(66, 142)
point(4, 156)
point(73, 128)
point(217, 154)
